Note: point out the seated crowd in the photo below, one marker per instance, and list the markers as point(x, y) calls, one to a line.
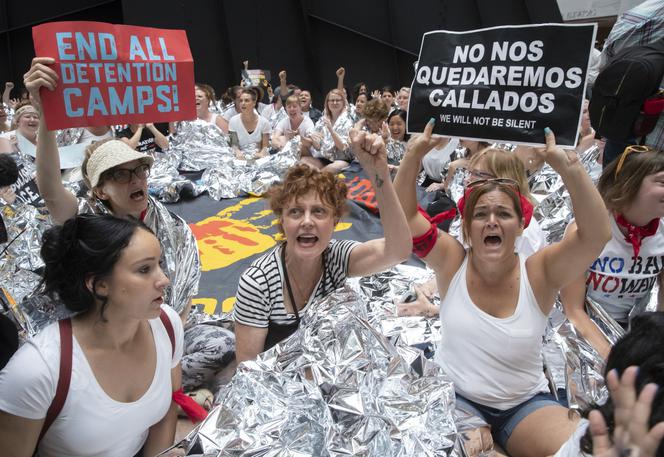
point(108, 261)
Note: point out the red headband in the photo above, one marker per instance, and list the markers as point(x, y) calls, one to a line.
point(526, 207)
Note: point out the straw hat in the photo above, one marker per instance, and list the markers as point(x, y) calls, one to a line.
point(109, 155)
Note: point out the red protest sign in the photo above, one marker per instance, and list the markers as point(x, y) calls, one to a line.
point(115, 74)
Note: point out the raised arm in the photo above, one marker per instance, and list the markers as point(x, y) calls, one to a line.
point(561, 263)
point(60, 202)
point(6, 93)
point(283, 87)
point(377, 255)
point(405, 184)
point(341, 73)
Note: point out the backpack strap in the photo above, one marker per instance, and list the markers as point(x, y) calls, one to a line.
point(64, 376)
point(169, 329)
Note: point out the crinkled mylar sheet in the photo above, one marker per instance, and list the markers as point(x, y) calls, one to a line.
point(337, 387)
point(252, 176)
point(201, 146)
point(328, 149)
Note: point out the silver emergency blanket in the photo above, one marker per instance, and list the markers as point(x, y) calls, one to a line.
point(276, 117)
point(199, 145)
point(554, 210)
point(21, 257)
point(336, 387)
point(384, 291)
point(10, 309)
point(254, 176)
point(67, 137)
point(179, 252)
point(342, 128)
point(395, 151)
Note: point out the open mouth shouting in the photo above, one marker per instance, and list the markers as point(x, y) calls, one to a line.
point(493, 241)
point(137, 195)
point(307, 240)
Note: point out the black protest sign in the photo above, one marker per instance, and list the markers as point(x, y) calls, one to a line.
point(503, 83)
point(26, 189)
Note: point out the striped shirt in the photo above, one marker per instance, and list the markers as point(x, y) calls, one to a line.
point(260, 293)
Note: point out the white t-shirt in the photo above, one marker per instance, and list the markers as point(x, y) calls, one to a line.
point(617, 280)
point(244, 137)
point(90, 422)
point(88, 137)
point(305, 127)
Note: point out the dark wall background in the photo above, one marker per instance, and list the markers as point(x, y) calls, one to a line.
point(377, 41)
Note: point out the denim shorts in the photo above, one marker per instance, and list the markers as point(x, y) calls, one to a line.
point(503, 422)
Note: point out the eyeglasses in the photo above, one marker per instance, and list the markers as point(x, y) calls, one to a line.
point(502, 182)
point(123, 175)
point(470, 176)
point(628, 150)
point(335, 100)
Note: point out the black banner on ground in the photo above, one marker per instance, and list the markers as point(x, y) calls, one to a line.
point(503, 83)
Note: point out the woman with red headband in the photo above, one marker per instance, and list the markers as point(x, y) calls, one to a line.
point(495, 302)
point(622, 277)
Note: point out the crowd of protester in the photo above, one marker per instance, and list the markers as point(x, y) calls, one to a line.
point(128, 339)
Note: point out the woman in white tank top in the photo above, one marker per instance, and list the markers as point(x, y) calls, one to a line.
point(624, 274)
point(494, 303)
point(205, 95)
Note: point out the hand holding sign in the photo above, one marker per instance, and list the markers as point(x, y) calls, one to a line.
point(502, 83)
point(422, 144)
point(40, 75)
point(559, 159)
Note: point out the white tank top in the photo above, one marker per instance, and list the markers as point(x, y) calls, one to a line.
point(617, 280)
point(492, 361)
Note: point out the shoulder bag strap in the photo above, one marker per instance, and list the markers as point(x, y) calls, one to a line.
point(169, 329)
point(64, 376)
point(288, 284)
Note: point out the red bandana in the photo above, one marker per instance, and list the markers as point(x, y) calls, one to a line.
point(526, 207)
point(636, 234)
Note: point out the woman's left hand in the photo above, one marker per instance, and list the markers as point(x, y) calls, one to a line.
point(370, 151)
point(554, 155)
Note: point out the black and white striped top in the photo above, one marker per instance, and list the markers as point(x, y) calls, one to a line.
point(260, 293)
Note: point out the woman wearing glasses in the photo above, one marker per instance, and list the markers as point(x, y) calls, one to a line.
point(622, 277)
point(495, 302)
point(328, 143)
point(117, 178)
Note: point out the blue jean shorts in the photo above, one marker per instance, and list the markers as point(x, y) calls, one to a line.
point(503, 422)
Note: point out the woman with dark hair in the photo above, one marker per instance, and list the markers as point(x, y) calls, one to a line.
point(275, 290)
point(359, 89)
point(249, 131)
point(396, 145)
point(495, 302)
point(640, 347)
point(117, 177)
point(622, 277)
point(388, 96)
point(124, 364)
